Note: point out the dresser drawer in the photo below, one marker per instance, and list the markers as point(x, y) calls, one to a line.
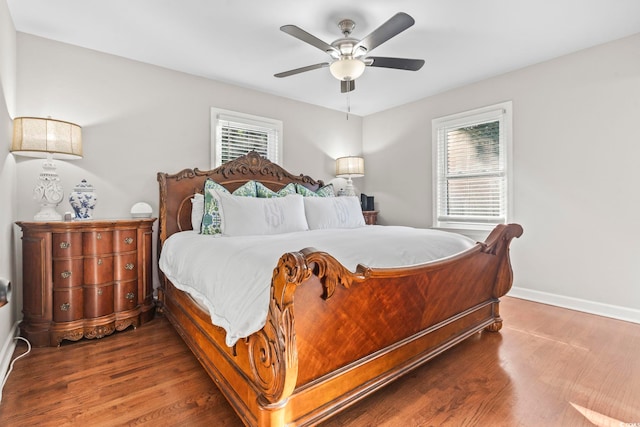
point(68, 272)
point(66, 244)
point(126, 295)
point(125, 267)
point(124, 240)
point(97, 242)
point(67, 304)
point(98, 300)
point(98, 269)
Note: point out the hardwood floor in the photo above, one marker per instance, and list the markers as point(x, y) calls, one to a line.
point(547, 367)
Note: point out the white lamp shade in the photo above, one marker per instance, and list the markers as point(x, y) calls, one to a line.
point(347, 69)
point(35, 137)
point(48, 138)
point(350, 166)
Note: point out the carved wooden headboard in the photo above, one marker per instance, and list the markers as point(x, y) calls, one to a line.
point(177, 190)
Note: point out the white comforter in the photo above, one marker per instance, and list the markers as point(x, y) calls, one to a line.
point(231, 276)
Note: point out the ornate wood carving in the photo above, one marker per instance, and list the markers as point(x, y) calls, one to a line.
point(100, 331)
point(500, 237)
point(272, 350)
point(331, 273)
point(72, 335)
point(254, 164)
point(123, 324)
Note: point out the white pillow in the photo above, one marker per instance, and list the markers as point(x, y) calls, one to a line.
point(248, 216)
point(197, 211)
point(333, 212)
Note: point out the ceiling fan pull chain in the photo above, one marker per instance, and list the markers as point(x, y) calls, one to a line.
point(348, 105)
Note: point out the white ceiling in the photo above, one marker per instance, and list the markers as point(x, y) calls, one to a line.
point(239, 41)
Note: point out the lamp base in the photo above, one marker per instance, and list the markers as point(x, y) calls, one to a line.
point(349, 190)
point(48, 192)
point(48, 213)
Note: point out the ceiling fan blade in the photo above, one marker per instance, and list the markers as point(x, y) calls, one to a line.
point(347, 85)
point(397, 63)
point(394, 26)
point(301, 34)
point(302, 69)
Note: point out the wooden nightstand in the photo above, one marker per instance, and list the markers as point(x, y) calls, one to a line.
point(85, 278)
point(370, 217)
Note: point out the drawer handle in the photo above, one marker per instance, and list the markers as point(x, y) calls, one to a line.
point(99, 261)
point(65, 306)
point(128, 240)
point(99, 291)
point(65, 274)
point(129, 266)
point(130, 296)
point(65, 245)
point(99, 236)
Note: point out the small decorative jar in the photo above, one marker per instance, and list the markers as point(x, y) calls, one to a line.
point(83, 199)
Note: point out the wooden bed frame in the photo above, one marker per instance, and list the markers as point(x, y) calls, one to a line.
point(332, 336)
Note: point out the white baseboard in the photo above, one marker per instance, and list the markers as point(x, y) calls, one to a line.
point(8, 347)
point(614, 311)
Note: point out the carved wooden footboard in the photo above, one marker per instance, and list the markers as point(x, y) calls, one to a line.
point(332, 336)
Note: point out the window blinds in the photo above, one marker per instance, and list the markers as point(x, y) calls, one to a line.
point(471, 170)
point(238, 135)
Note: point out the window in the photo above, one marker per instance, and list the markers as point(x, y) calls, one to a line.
point(471, 153)
point(235, 134)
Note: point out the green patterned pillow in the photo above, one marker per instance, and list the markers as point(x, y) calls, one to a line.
point(264, 192)
point(212, 219)
point(326, 191)
point(248, 189)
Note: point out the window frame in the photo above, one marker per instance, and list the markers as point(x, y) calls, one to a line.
point(251, 122)
point(503, 113)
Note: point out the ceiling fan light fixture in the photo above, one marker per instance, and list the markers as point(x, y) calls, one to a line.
point(347, 69)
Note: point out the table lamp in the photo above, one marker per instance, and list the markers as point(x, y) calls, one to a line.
point(49, 139)
point(349, 167)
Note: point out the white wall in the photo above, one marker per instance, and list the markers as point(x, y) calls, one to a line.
point(576, 178)
point(139, 119)
point(8, 210)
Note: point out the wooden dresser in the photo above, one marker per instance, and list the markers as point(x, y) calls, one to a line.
point(85, 278)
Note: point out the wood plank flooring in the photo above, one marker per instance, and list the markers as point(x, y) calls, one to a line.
point(547, 367)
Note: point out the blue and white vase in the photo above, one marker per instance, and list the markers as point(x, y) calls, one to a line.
point(83, 199)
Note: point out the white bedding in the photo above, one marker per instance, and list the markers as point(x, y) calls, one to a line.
point(231, 276)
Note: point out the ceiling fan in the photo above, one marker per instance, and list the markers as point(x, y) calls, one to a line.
point(349, 56)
